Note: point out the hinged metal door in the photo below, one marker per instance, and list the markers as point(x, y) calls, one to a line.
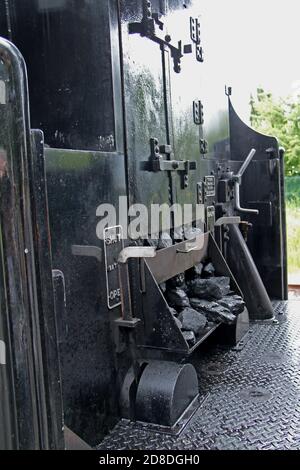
point(146, 110)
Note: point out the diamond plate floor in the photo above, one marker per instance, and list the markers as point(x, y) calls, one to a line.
point(253, 395)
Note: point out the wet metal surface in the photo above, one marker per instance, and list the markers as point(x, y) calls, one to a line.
point(253, 394)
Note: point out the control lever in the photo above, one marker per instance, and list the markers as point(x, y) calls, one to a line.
point(126, 254)
point(237, 179)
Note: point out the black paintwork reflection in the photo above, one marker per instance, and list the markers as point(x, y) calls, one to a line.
point(66, 45)
point(144, 106)
point(76, 187)
point(31, 375)
point(262, 183)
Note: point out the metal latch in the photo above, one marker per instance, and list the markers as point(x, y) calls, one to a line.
point(152, 27)
point(157, 163)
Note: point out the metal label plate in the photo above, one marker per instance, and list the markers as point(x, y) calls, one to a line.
point(210, 186)
point(113, 244)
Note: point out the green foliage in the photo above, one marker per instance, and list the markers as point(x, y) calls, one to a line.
point(292, 191)
point(281, 118)
point(293, 237)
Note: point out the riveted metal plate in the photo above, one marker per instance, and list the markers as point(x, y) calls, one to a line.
point(253, 403)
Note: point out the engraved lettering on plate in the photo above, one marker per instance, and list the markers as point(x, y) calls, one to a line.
point(210, 186)
point(113, 244)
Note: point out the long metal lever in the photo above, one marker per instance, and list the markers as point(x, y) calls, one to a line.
point(126, 254)
point(246, 163)
point(237, 182)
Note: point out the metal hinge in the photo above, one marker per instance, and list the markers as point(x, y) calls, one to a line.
point(195, 30)
point(199, 53)
point(203, 146)
point(198, 112)
point(196, 38)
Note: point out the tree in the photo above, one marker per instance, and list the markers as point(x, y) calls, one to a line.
point(280, 118)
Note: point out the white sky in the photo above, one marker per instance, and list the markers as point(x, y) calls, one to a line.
point(255, 43)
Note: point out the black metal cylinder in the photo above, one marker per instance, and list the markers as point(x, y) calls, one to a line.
point(244, 269)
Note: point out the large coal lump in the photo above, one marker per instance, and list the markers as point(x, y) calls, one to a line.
point(203, 305)
point(212, 288)
point(234, 303)
point(221, 314)
point(177, 298)
point(213, 310)
point(192, 321)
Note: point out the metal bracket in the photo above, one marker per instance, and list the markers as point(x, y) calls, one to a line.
point(151, 26)
point(92, 251)
point(136, 252)
point(195, 30)
point(227, 221)
point(127, 323)
point(199, 53)
point(203, 146)
point(228, 90)
point(157, 163)
point(198, 113)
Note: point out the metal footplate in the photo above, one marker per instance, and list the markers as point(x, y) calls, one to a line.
point(251, 391)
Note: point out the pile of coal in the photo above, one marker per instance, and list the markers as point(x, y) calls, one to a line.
point(199, 298)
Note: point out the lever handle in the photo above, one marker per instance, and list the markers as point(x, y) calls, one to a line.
point(238, 204)
point(246, 163)
point(237, 182)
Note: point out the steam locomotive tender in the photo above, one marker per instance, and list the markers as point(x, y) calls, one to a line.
point(101, 101)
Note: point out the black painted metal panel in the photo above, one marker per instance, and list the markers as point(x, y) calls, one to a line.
point(263, 182)
point(145, 107)
point(76, 188)
point(73, 106)
point(31, 383)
